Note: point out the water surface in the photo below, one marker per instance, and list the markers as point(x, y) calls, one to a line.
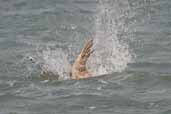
point(132, 41)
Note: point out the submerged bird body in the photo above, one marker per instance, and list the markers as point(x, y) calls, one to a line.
point(78, 69)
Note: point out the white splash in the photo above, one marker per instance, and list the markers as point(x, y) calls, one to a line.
point(56, 62)
point(111, 54)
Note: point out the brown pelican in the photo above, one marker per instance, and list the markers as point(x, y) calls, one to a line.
point(79, 70)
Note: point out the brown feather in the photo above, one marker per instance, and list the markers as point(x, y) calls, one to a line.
point(79, 69)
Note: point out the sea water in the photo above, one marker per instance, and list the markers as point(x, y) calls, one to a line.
point(130, 64)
